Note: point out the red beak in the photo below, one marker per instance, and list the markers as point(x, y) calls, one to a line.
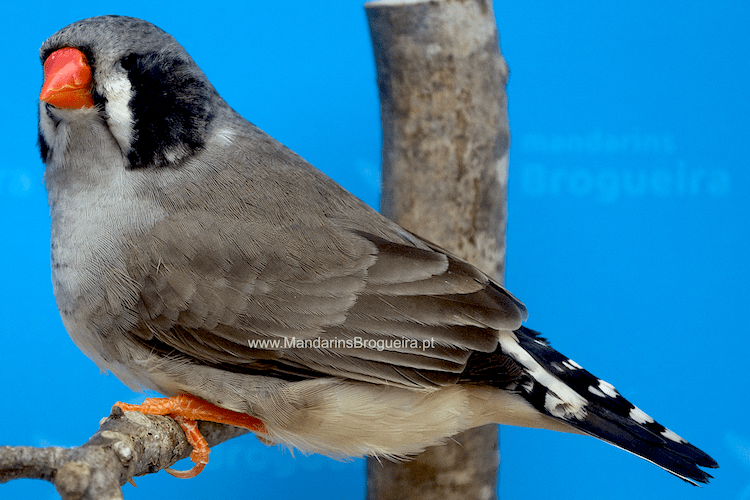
point(67, 80)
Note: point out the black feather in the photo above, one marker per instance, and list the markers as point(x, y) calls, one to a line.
point(43, 147)
point(607, 416)
point(171, 108)
point(491, 368)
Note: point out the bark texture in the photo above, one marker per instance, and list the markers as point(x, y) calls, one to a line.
point(446, 138)
point(126, 445)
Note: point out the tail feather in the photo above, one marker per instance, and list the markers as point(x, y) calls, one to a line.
point(560, 388)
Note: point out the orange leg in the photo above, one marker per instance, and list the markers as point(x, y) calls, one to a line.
point(186, 409)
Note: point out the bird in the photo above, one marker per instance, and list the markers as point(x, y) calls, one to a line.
point(194, 255)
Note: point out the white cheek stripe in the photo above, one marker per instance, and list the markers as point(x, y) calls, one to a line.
point(565, 396)
point(118, 92)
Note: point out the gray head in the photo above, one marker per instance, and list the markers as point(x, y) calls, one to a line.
point(154, 99)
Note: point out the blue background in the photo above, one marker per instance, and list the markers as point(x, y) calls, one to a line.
point(628, 233)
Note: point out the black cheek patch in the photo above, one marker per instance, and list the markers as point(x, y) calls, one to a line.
point(171, 108)
point(43, 146)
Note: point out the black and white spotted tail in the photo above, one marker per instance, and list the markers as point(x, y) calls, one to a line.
point(557, 386)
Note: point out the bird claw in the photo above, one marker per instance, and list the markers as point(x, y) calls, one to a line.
point(185, 409)
point(186, 474)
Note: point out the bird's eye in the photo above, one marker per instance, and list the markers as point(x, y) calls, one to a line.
point(128, 61)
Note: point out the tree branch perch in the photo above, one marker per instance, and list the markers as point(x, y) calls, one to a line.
point(127, 445)
point(446, 138)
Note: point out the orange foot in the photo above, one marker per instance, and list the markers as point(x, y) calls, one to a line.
point(186, 409)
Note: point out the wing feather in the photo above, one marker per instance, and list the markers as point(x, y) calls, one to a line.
point(343, 285)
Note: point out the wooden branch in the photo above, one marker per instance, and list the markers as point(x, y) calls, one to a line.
point(127, 445)
point(445, 161)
